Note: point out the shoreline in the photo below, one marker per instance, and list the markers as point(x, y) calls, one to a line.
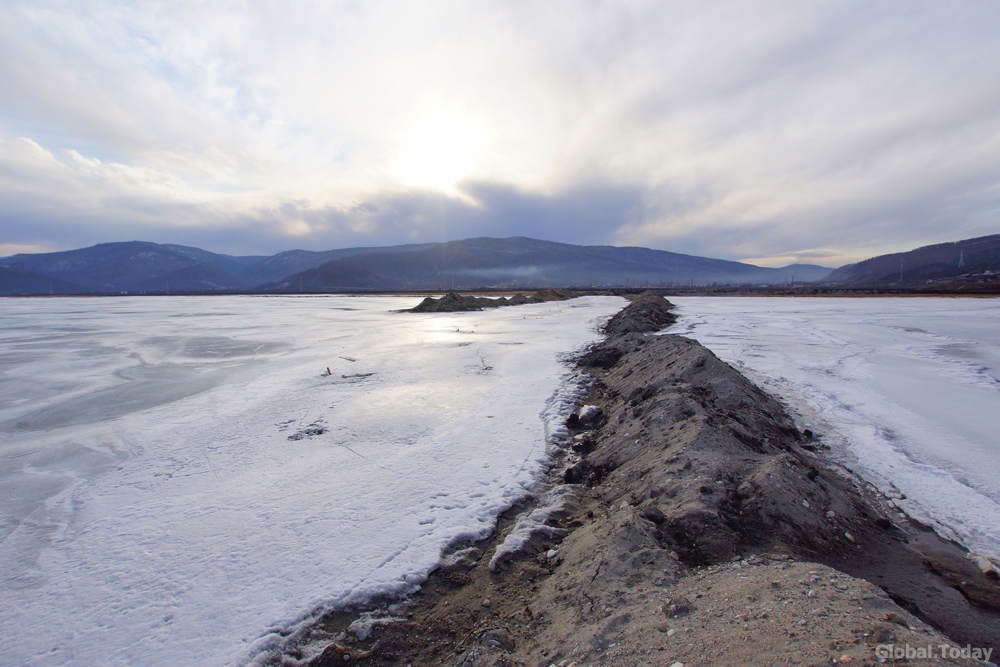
point(983, 291)
point(718, 536)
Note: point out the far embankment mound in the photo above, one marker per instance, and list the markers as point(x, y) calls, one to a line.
point(647, 312)
point(454, 302)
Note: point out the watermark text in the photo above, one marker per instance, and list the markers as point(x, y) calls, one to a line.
point(931, 652)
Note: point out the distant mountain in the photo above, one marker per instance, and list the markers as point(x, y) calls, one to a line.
point(933, 262)
point(518, 262)
point(195, 278)
point(236, 264)
point(139, 266)
point(292, 262)
point(521, 262)
point(18, 282)
point(806, 272)
point(134, 266)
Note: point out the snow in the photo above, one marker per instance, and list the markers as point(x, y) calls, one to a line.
point(533, 523)
point(183, 481)
point(905, 390)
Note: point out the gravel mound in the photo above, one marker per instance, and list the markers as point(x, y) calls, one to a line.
point(647, 312)
point(454, 302)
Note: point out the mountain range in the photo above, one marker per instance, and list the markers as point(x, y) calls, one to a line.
point(933, 263)
point(517, 262)
point(143, 267)
point(520, 262)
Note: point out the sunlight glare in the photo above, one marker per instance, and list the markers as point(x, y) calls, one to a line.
point(442, 151)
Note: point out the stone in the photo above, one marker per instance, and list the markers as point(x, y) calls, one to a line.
point(653, 514)
point(498, 638)
point(677, 607)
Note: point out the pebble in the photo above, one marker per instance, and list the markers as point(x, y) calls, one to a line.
point(486, 602)
point(986, 566)
point(551, 554)
point(671, 632)
point(850, 538)
point(893, 617)
point(677, 664)
point(811, 593)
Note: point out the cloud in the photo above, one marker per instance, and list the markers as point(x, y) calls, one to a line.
point(771, 131)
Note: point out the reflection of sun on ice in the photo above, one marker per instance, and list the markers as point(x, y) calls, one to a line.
point(442, 151)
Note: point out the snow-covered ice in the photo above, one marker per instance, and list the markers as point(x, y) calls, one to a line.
point(906, 391)
point(181, 475)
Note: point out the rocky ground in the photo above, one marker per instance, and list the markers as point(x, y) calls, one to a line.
point(688, 522)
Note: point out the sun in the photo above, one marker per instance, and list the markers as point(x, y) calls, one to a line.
point(442, 151)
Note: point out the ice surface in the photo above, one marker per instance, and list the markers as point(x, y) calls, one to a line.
point(182, 479)
point(906, 390)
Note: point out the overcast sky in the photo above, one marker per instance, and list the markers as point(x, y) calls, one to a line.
point(768, 131)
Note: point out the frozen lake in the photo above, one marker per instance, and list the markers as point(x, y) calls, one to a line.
point(181, 475)
point(181, 478)
point(905, 390)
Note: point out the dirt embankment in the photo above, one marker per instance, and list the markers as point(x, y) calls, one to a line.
point(689, 522)
point(454, 302)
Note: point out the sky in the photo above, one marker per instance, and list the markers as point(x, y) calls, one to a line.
point(771, 132)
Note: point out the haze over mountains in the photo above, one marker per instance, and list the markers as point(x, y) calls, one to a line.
point(516, 262)
point(522, 262)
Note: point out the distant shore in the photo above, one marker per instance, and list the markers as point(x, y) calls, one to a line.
point(958, 289)
point(686, 520)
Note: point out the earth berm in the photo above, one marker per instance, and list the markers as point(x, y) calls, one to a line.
point(688, 522)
